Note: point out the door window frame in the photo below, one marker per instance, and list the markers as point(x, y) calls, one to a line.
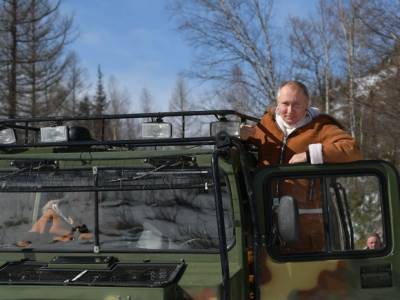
point(362, 168)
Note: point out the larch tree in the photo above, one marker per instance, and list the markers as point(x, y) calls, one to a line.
point(13, 15)
point(35, 39)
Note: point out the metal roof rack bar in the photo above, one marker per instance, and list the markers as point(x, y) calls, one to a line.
point(10, 122)
point(194, 141)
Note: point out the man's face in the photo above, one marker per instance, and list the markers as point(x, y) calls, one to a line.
point(292, 104)
point(373, 243)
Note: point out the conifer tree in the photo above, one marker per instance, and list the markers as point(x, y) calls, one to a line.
point(33, 40)
point(100, 102)
point(100, 105)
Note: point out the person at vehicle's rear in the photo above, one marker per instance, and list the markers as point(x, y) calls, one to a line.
point(374, 241)
point(294, 132)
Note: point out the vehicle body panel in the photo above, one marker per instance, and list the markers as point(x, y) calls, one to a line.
point(352, 275)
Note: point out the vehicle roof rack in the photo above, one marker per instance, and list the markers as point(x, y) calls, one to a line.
point(31, 126)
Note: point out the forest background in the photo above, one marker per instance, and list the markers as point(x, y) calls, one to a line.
point(346, 52)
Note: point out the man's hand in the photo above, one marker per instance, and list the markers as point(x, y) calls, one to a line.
point(246, 131)
point(298, 158)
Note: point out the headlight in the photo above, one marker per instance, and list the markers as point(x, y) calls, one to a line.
point(7, 136)
point(156, 130)
point(53, 134)
point(230, 127)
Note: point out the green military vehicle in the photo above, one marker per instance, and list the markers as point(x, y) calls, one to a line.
point(101, 216)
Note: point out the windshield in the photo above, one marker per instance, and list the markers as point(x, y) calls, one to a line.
point(135, 209)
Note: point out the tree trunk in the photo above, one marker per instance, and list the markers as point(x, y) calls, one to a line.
point(12, 88)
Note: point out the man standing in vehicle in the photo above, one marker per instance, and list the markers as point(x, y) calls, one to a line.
point(294, 132)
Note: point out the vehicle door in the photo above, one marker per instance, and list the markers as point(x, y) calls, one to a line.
point(317, 220)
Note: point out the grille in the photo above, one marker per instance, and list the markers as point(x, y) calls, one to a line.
point(121, 274)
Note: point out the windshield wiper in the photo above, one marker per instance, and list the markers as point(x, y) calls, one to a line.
point(14, 174)
point(28, 165)
point(148, 173)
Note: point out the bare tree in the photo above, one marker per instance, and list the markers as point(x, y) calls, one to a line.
point(179, 101)
point(348, 25)
point(37, 37)
point(349, 52)
point(229, 33)
point(13, 15)
point(146, 101)
point(324, 26)
point(75, 82)
point(312, 47)
point(237, 95)
point(382, 18)
point(367, 67)
point(146, 104)
point(119, 101)
point(118, 97)
point(357, 58)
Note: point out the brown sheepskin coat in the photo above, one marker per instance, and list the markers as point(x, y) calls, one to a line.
point(337, 146)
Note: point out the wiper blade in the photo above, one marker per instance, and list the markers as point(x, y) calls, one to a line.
point(145, 174)
point(179, 172)
point(30, 165)
point(17, 172)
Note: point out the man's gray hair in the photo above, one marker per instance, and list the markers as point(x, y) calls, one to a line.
point(295, 83)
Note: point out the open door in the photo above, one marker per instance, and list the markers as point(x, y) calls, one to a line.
point(320, 222)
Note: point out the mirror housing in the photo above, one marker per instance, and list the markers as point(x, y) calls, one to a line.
point(288, 219)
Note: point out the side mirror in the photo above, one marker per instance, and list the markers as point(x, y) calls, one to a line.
point(288, 219)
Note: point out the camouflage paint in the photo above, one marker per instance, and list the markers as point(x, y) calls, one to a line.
point(338, 278)
point(286, 277)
